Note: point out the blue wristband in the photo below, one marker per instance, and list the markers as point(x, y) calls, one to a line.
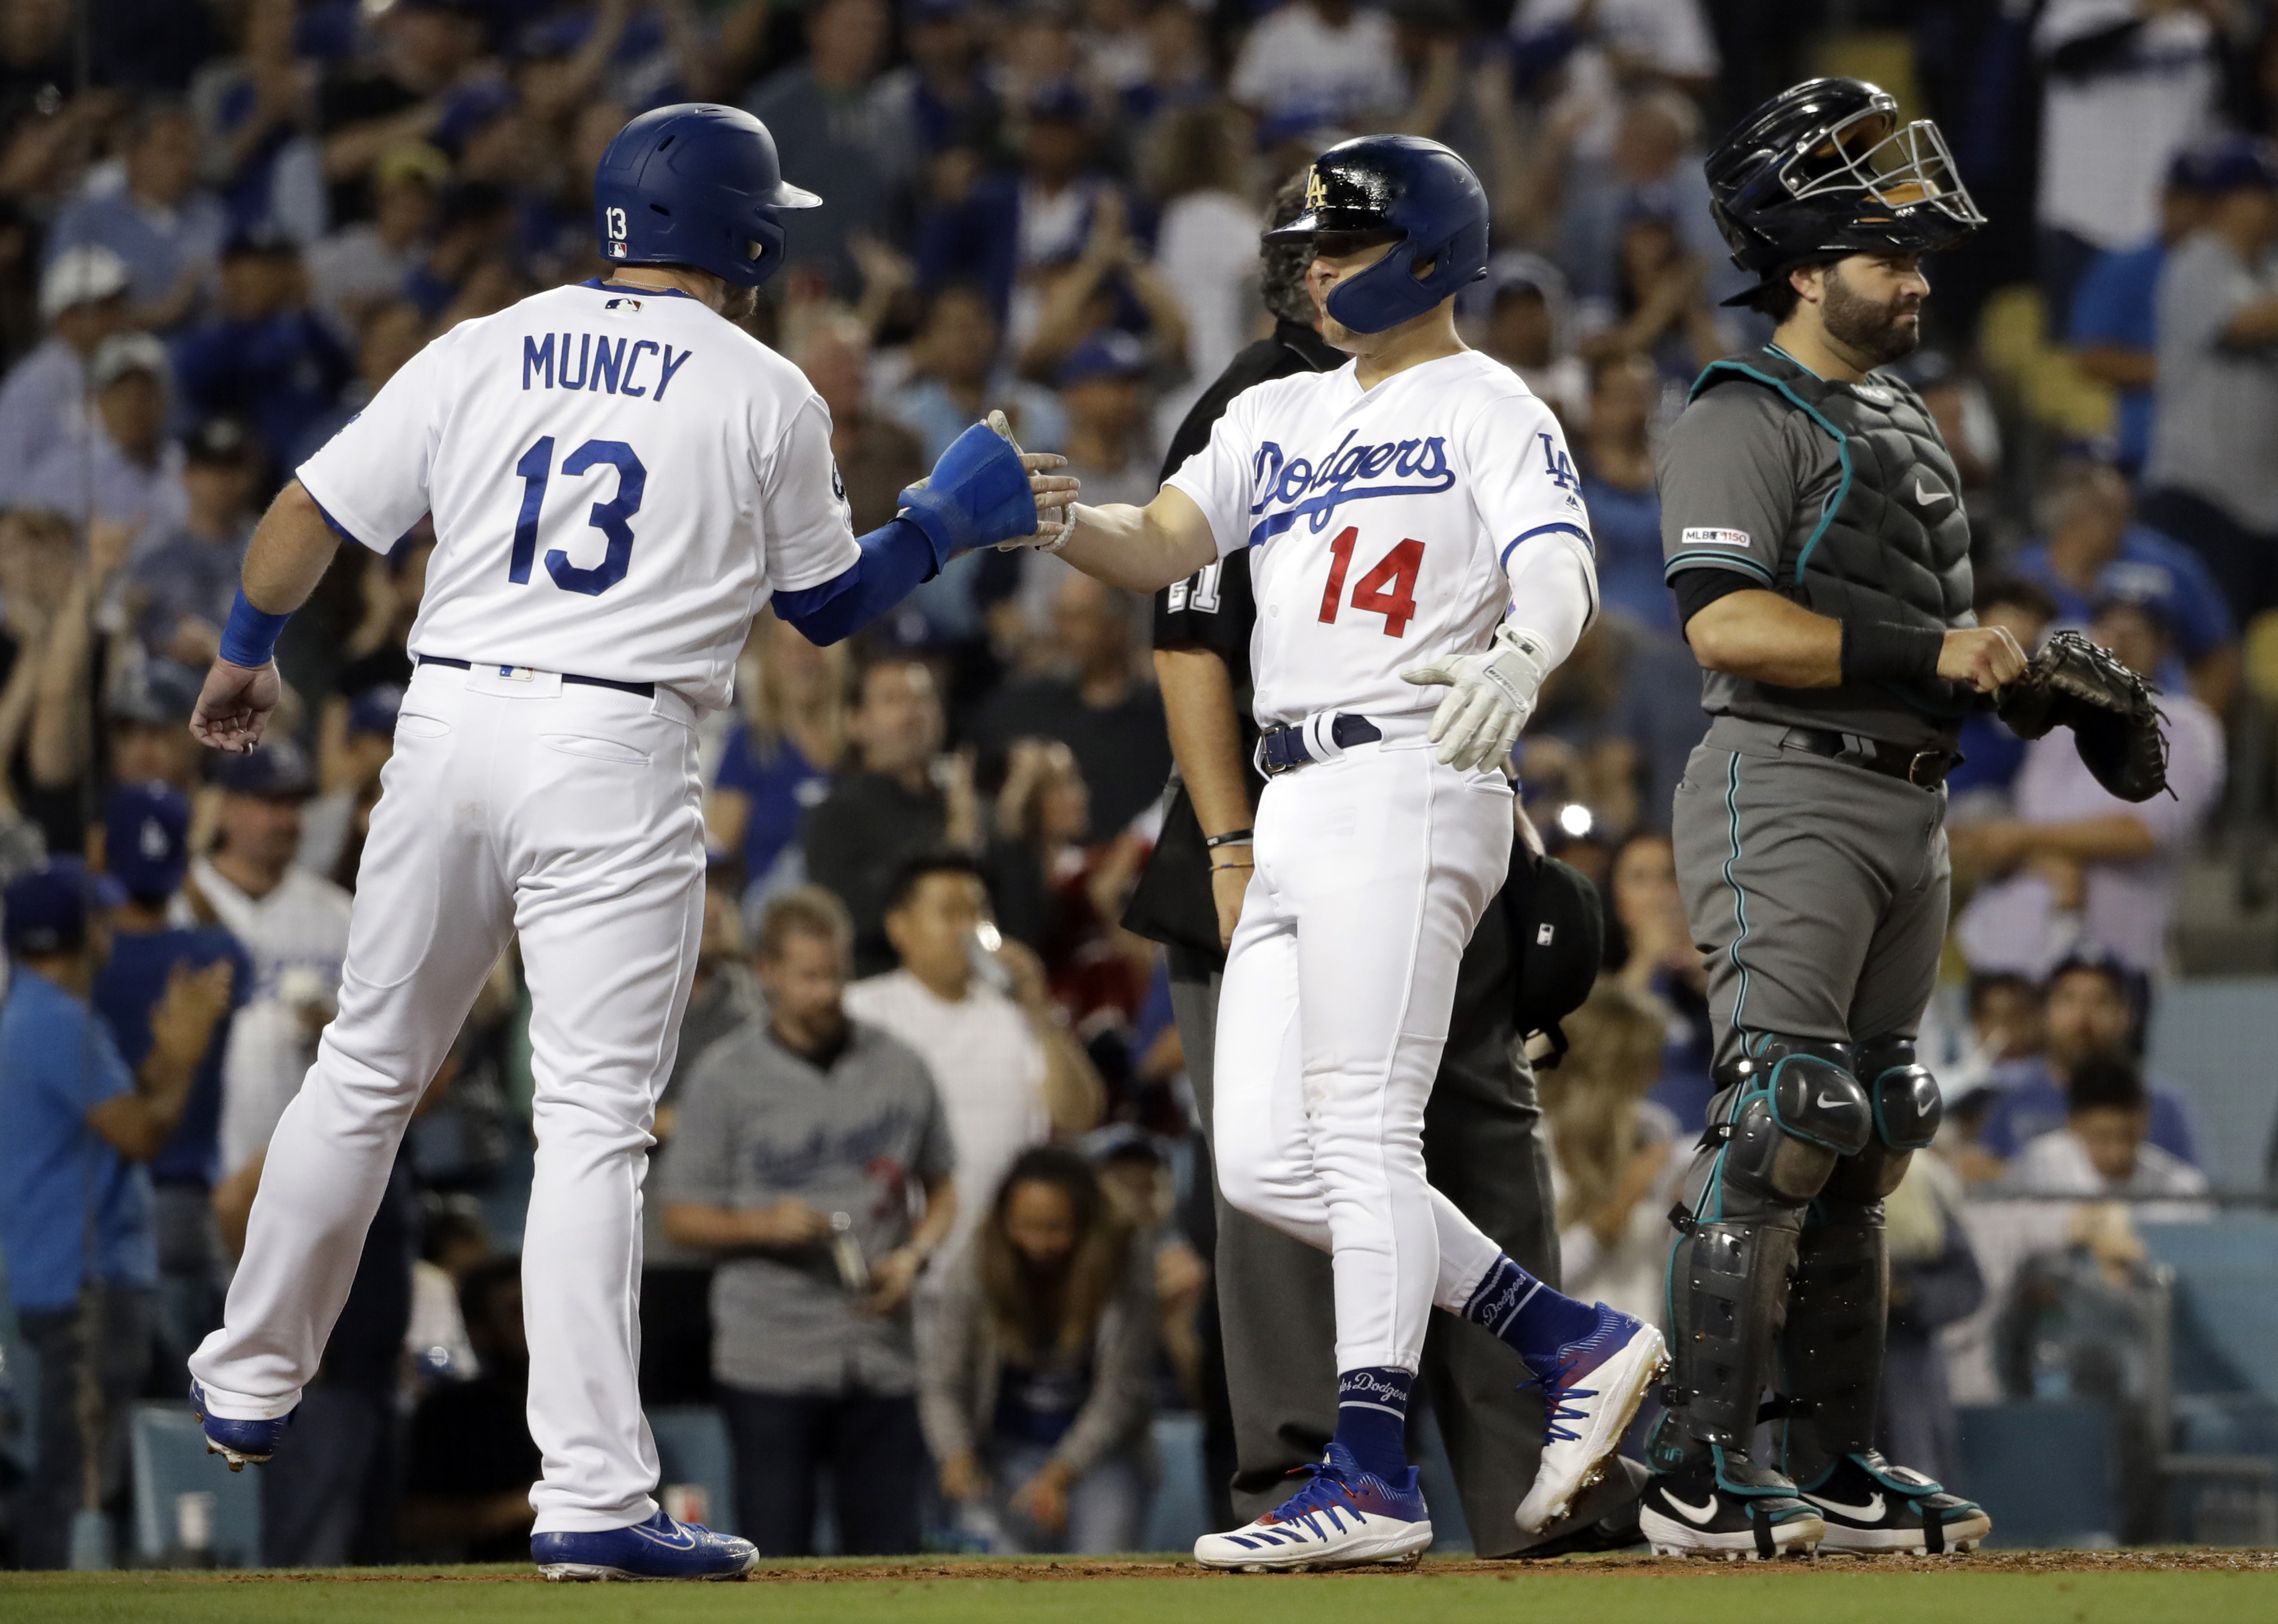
point(250, 637)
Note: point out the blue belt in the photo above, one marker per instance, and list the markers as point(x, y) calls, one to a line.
point(1283, 749)
point(646, 690)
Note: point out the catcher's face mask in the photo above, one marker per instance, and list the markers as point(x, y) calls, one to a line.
point(1904, 168)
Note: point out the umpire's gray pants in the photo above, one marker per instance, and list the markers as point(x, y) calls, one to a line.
point(1481, 1150)
point(1817, 889)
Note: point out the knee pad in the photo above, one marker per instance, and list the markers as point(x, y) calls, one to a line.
point(1908, 1107)
point(1795, 1112)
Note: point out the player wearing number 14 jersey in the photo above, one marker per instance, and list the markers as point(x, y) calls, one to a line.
point(620, 478)
point(1421, 560)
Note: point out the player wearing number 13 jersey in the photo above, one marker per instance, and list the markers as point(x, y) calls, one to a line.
point(619, 478)
point(1412, 526)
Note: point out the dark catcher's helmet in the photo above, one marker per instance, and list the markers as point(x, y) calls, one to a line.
point(698, 185)
point(1420, 192)
point(1824, 169)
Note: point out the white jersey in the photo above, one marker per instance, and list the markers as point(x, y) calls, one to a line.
point(1381, 521)
point(618, 477)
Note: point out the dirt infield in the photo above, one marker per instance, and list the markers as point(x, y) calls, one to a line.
point(1050, 1570)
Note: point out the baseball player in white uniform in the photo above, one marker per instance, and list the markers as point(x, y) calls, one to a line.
point(1417, 525)
point(619, 478)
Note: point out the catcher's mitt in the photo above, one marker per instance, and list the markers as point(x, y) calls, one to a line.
point(2114, 724)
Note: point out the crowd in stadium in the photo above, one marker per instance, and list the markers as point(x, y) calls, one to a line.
point(226, 223)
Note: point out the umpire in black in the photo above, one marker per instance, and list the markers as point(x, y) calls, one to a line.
point(1482, 1144)
point(1815, 540)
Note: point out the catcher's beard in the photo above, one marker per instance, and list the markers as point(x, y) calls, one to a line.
point(1879, 332)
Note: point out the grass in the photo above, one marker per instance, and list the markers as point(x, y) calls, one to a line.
point(2017, 1589)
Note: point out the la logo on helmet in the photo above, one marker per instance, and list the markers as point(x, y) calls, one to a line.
point(1317, 191)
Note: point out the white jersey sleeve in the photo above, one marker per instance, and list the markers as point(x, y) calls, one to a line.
point(809, 524)
point(372, 478)
point(1523, 482)
point(1221, 478)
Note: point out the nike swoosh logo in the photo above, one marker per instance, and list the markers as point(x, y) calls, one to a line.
point(1825, 1100)
point(684, 1538)
point(1924, 497)
point(1871, 1512)
point(1702, 1514)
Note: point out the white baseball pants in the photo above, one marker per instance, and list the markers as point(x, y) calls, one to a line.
point(1372, 870)
point(568, 815)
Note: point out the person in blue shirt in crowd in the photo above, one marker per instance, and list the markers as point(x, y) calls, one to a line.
point(2089, 1008)
point(2114, 330)
point(1991, 754)
point(2095, 550)
point(76, 1125)
point(146, 849)
point(1614, 455)
point(780, 754)
point(265, 354)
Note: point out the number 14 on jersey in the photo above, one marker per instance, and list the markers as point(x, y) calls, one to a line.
point(1388, 588)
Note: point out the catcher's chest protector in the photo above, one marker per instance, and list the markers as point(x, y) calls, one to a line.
point(1892, 543)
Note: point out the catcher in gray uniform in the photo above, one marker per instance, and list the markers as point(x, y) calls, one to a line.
point(1815, 540)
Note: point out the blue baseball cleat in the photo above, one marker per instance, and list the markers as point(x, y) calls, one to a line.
point(1344, 1518)
point(1591, 1390)
point(657, 1548)
point(237, 1441)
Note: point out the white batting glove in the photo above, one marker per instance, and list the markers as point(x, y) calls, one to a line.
point(1051, 533)
point(1490, 697)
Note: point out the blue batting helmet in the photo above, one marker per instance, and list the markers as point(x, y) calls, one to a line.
point(695, 184)
point(1421, 192)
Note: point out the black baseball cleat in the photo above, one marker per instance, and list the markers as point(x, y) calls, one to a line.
point(1873, 1509)
point(1697, 1516)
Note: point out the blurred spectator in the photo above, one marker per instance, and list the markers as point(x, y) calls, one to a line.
point(1614, 458)
point(422, 79)
point(1616, 1161)
point(265, 356)
point(1205, 244)
point(1659, 308)
point(1527, 326)
point(75, 1212)
point(2104, 1151)
point(255, 105)
point(391, 335)
point(183, 582)
point(365, 263)
point(814, 1153)
point(1107, 291)
point(165, 227)
point(129, 472)
point(1009, 1074)
point(294, 925)
point(355, 738)
point(901, 798)
point(876, 455)
point(1617, 722)
point(2114, 328)
point(2077, 865)
point(149, 722)
point(39, 582)
point(47, 402)
point(1101, 709)
point(826, 133)
point(455, 1239)
point(675, 1357)
point(780, 751)
point(938, 101)
point(1595, 41)
point(2094, 551)
point(2085, 1012)
point(1330, 61)
point(1935, 1282)
point(2212, 474)
point(1039, 1376)
point(61, 769)
point(955, 379)
point(1604, 164)
point(146, 849)
point(1142, 1190)
point(2128, 84)
point(1651, 951)
point(469, 1461)
point(1980, 785)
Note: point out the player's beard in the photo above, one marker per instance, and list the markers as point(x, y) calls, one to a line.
point(1879, 334)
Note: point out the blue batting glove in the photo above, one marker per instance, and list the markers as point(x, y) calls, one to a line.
point(977, 495)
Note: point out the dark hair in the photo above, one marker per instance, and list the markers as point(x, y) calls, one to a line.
point(1282, 266)
point(1775, 296)
point(803, 910)
point(483, 1283)
point(922, 868)
point(1986, 983)
point(1039, 1317)
point(1999, 588)
point(2109, 1081)
point(2113, 974)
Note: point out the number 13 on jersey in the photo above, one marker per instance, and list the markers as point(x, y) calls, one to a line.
point(609, 517)
point(1388, 588)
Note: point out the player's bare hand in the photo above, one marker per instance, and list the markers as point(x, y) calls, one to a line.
point(1229, 884)
point(1985, 657)
point(234, 706)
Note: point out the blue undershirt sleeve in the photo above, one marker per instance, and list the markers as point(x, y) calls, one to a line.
point(896, 557)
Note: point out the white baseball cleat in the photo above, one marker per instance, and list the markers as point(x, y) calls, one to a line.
point(1619, 1362)
point(1344, 1518)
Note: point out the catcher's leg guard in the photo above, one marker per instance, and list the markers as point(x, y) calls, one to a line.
point(1789, 1112)
point(1830, 1351)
